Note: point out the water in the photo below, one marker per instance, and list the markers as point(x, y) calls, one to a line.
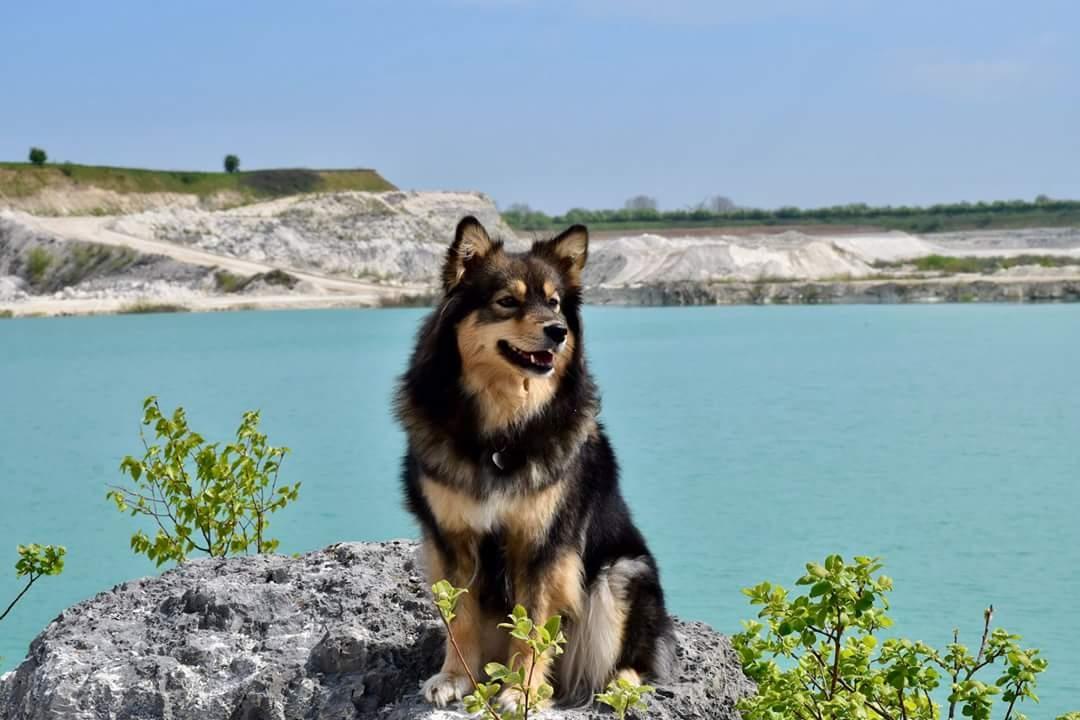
point(752, 440)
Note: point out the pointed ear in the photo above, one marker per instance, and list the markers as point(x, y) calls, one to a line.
point(471, 245)
point(569, 250)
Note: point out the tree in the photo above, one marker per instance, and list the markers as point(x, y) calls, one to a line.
point(232, 163)
point(641, 202)
point(38, 156)
point(718, 204)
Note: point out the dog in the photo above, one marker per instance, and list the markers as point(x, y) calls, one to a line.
point(513, 481)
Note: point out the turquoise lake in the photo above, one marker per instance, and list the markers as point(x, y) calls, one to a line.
point(752, 440)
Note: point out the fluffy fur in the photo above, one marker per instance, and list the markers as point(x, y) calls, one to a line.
point(512, 478)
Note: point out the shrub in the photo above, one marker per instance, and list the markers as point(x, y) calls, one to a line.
point(232, 163)
point(832, 667)
point(278, 278)
point(541, 640)
point(623, 696)
point(200, 497)
point(35, 562)
point(228, 282)
point(37, 262)
point(38, 156)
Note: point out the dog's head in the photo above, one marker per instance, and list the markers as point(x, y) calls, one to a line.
point(517, 315)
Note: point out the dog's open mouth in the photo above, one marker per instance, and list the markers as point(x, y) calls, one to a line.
point(539, 361)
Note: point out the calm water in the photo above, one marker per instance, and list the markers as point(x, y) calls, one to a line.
point(752, 440)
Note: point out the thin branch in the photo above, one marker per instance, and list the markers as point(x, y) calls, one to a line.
point(1013, 702)
point(153, 513)
point(988, 615)
point(903, 709)
point(528, 684)
point(132, 494)
point(836, 653)
point(847, 686)
point(955, 673)
point(817, 712)
point(468, 672)
point(33, 579)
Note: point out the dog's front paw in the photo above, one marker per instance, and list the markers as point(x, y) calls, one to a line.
point(510, 700)
point(444, 688)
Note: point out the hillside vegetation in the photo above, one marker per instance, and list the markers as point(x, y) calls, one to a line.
point(1003, 214)
point(20, 180)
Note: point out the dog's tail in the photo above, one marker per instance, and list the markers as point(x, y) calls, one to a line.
point(599, 639)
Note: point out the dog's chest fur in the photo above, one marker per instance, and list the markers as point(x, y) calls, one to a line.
point(523, 515)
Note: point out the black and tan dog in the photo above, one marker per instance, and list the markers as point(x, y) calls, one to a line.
point(512, 478)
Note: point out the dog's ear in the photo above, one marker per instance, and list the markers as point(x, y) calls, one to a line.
point(569, 251)
point(471, 245)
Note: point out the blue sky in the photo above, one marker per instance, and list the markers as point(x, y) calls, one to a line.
point(566, 103)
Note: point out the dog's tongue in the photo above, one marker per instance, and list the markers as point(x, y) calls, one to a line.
point(542, 357)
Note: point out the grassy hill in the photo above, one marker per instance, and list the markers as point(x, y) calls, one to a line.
point(23, 179)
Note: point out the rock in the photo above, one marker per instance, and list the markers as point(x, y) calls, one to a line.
point(965, 289)
point(384, 237)
point(12, 287)
point(346, 632)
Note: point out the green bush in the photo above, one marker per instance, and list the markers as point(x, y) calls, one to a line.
point(202, 497)
point(228, 282)
point(622, 696)
point(546, 639)
point(278, 278)
point(38, 261)
point(833, 667)
point(38, 156)
point(542, 640)
point(232, 163)
point(35, 562)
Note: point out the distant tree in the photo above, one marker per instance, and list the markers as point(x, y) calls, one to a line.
point(1042, 199)
point(718, 204)
point(38, 156)
point(519, 207)
point(232, 163)
point(640, 202)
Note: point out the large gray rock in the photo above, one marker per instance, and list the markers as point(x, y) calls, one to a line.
point(346, 632)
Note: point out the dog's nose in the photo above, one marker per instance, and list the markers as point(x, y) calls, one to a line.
point(556, 331)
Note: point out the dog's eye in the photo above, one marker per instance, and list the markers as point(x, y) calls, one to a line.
point(509, 302)
point(553, 302)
